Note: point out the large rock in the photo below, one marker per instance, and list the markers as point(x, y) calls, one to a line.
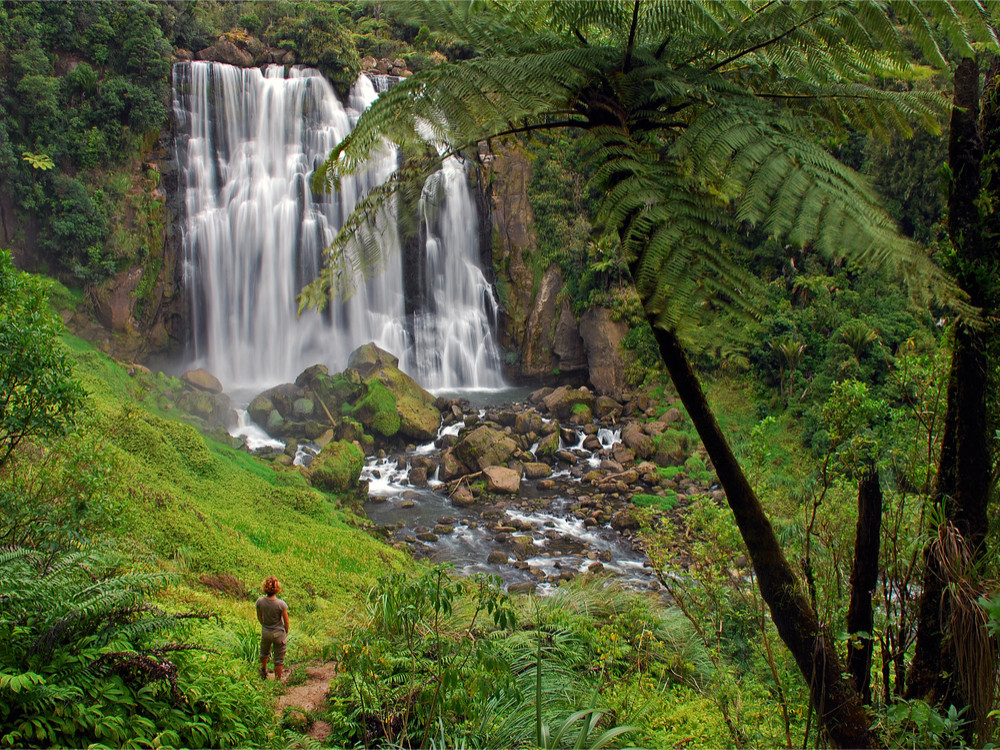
point(225, 51)
point(502, 479)
point(602, 337)
point(337, 467)
point(114, 300)
point(483, 447)
point(213, 408)
point(547, 446)
point(562, 402)
point(419, 418)
point(202, 380)
point(637, 440)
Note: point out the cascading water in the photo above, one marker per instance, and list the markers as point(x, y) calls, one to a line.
point(247, 143)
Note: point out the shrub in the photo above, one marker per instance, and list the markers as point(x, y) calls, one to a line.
point(40, 396)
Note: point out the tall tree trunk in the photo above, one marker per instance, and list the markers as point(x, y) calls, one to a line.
point(864, 577)
point(833, 697)
point(965, 468)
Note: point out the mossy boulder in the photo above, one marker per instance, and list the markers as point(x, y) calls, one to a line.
point(418, 417)
point(562, 400)
point(376, 410)
point(337, 467)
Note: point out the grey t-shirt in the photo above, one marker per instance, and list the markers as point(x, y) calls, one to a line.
point(269, 613)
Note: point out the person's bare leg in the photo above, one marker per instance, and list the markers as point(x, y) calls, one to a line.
point(263, 668)
point(278, 671)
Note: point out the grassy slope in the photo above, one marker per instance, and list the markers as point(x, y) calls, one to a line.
point(204, 509)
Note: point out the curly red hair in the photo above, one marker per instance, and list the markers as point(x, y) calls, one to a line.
point(271, 586)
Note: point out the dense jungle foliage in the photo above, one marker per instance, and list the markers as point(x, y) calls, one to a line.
point(132, 545)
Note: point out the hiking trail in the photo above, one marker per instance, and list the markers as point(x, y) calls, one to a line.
point(310, 696)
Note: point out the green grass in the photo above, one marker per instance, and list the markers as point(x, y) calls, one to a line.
point(186, 498)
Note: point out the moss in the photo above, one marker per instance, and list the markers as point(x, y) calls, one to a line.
point(579, 409)
point(377, 410)
point(668, 502)
point(694, 466)
point(337, 467)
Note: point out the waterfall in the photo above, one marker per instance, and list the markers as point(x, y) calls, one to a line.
point(253, 233)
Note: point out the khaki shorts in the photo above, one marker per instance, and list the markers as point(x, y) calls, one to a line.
point(276, 638)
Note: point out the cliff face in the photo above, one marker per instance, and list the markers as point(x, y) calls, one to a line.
point(537, 327)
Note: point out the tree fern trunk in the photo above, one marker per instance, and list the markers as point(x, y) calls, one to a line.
point(834, 699)
point(864, 577)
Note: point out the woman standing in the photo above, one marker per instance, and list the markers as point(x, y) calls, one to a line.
point(272, 614)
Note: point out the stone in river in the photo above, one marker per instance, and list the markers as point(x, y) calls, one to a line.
point(443, 529)
point(462, 497)
point(497, 557)
point(418, 476)
point(536, 470)
point(502, 479)
point(567, 456)
point(522, 587)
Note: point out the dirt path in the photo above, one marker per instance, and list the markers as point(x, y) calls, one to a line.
point(310, 696)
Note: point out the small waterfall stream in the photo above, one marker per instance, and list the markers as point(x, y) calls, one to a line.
point(248, 141)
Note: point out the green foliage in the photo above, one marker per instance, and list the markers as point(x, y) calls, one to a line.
point(667, 502)
point(81, 662)
point(39, 395)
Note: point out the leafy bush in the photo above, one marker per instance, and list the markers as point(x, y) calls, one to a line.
point(40, 397)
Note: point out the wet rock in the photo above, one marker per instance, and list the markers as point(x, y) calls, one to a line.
point(563, 400)
point(429, 537)
point(418, 476)
point(591, 443)
point(538, 397)
point(462, 497)
point(547, 446)
point(536, 470)
point(483, 447)
point(607, 408)
point(623, 455)
point(424, 462)
point(546, 484)
point(567, 456)
point(226, 51)
point(448, 520)
point(497, 557)
point(624, 520)
point(604, 555)
point(595, 567)
point(522, 587)
point(406, 503)
point(337, 467)
point(523, 546)
point(203, 380)
point(502, 479)
point(528, 422)
point(211, 407)
point(443, 528)
point(637, 440)
point(450, 467)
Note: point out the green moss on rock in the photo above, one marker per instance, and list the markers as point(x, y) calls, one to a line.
point(337, 467)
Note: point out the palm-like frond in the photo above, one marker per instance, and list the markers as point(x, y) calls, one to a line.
point(704, 117)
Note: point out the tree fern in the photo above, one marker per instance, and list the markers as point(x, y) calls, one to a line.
point(724, 100)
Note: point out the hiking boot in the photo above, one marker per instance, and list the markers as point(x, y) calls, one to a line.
point(263, 673)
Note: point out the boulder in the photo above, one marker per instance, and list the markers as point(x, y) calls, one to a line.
point(607, 408)
point(482, 447)
point(213, 408)
point(502, 479)
point(337, 467)
point(624, 520)
point(450, 467)
point(537, 470)
point(528, 422)
point(637, 440)
point(563, 400)
point(547, 446)
point(522, 587)
point(497, 557)
point(203, 380)
point(462, 497)
point(418, 476)
point(419, 418)
point(602, 338)
point(225, 51)
point(672, 448)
